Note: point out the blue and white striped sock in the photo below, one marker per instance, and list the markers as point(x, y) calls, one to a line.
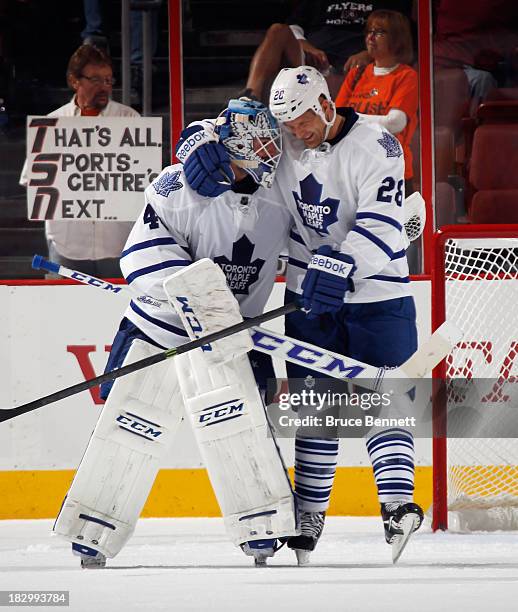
point(392, 457)
point(315, 467)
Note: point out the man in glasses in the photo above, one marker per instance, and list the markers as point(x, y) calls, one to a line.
point(94, 247)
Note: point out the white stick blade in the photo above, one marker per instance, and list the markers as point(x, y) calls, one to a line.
point(433, 351)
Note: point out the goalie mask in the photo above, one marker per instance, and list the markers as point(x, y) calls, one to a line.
point(297, 90)
point(252, 138)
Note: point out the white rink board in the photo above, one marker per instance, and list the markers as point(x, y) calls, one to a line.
point(43, 328)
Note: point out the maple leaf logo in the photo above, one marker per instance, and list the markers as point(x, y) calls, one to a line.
point(241, 271)
point(315, 213)
point(167, 183)
point(391, 145)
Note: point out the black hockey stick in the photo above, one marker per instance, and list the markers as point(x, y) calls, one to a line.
point(10, 413)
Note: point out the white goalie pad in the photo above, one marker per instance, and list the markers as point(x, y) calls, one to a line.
point(117, 471)
point(237, 447)
point(201, 297)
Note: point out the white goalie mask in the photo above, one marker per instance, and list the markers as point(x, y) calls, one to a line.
point(297, 90)
point(252, 137)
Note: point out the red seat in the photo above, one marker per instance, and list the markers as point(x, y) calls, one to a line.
point(498, 111)
point(493, 176)
point(494, 160)
point(495, 206)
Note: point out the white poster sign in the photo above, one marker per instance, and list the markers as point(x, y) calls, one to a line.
point(91, 168)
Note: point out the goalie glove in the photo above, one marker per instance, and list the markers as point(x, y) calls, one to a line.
point(205, 161)
point(326, 282)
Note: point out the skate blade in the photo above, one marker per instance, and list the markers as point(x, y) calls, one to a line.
point(260, 562)
point(302, 556)
point(93, 564)
point(408, 525)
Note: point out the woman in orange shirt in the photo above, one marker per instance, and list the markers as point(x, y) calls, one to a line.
point(386, 90)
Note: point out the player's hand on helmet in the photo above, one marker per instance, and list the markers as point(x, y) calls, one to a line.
point(327, 280)
point(206, 162)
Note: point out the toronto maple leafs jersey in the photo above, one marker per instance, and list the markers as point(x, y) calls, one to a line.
point(243, 234)
point(348, 193)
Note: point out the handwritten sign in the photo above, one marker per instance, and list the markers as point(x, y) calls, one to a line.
point(91, 168)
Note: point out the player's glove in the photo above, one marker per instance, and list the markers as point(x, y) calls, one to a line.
point(205, 161)
point(327, 280)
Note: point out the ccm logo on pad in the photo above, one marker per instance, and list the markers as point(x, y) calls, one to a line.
point(330, 265)
point(221, 412)
point(139, 426)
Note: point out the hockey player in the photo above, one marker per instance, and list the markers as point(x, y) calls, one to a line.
point(342, 179)
point(243, 230)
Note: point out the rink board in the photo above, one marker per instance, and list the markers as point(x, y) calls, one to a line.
point(55, 335)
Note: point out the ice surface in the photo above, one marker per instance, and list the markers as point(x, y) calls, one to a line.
point(188, 564)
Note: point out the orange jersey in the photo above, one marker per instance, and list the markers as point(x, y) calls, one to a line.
point(377, 95)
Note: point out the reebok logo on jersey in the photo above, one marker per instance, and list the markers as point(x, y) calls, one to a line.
point(391, 145)
point(241, 271)
point(315, 214)
point(167, 183)
point(330, 265)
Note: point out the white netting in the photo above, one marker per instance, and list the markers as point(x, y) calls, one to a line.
point(482, 298)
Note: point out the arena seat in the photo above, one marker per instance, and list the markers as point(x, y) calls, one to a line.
point(495, 206)
point(493, 174)
point(498, 111)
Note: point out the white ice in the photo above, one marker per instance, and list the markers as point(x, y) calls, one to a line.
point(188, 564)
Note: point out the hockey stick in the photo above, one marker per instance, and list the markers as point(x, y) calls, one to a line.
point(398, 380)
point(10, 413)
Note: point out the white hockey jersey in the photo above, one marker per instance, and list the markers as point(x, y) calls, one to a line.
point(348, 194)
point(243, 234)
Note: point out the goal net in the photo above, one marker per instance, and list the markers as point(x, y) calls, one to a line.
point(475, 285)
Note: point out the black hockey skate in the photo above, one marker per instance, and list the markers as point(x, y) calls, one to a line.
point(260, 550)
point(90, 558)
point(400, 520)
point(311, 527)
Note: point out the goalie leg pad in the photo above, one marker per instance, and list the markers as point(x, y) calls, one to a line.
point(243, 461)
point(112, 483)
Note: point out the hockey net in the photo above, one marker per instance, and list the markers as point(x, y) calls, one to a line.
point(475, 285)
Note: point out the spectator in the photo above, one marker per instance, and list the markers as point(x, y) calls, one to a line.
point(333, 45)
point(386, 90)
point(93, 247)
point(481, 38)
point(94, 31)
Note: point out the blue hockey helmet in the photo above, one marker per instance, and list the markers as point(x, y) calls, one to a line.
point(252, 137)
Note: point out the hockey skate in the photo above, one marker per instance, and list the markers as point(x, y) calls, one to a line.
point(260, 550)
point(90, 558)
point(400, 520)
point(311, 527)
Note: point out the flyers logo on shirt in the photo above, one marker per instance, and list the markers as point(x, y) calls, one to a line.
point(315, 213)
